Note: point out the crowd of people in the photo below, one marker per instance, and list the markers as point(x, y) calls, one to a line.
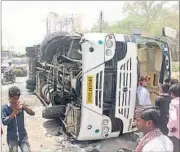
point(158, 123)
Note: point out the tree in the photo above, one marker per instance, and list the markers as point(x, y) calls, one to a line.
point(101, 26)
point(150, 16)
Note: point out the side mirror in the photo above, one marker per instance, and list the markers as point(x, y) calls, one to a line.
point(169, 32)
point(83, 41)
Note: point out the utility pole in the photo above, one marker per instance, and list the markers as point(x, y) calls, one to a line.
point(60, 24)
point(47, 26)
point(73, 23)
point(101, 21)
point(66, 23)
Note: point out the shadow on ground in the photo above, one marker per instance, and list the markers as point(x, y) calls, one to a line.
point(53, 127)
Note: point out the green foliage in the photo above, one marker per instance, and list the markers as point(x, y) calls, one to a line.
point(150, 16)
point(175, 67)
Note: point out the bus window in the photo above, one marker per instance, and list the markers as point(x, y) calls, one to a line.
point(155, 80)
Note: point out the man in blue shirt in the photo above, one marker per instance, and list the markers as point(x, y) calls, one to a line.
point(13, 117)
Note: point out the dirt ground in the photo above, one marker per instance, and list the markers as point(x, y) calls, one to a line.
point(45, 135)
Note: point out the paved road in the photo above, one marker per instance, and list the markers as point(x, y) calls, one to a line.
point(49, 142)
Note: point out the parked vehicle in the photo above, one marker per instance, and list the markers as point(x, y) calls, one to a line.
point(89, 81)
point(33, 56)
point(8, 76)
point(20, 65)
point(6, 56)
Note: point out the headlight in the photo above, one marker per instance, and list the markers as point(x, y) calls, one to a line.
point(109, 43)
point(105, 122)
point(108, 52)
point(106, 129)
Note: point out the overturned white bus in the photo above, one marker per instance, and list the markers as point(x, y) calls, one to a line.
point(89, 81)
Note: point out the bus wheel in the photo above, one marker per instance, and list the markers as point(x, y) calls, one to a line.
point(120, 127)
point(31, 82)
point(117, 125)
point(30, 87)
point(53, 112)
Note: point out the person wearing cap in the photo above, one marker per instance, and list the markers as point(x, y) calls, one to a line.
point(143, 93)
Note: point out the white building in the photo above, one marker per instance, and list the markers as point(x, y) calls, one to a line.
point(67, 22)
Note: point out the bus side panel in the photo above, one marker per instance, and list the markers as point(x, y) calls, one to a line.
point(126, 87)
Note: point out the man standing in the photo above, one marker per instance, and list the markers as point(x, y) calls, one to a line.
point(143, 93)
point(13, 117)
point(173, 124)
point(143, 96)
point(173, 81)
point(147, 121)
point(162, 102)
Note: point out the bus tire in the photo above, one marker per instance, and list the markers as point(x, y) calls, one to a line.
point(47, 54)
point(30, 49)
point(31, 82)
point(121, 127)
point(31, 54)
point(30, 87)
point(117, 125)
point(53, 112)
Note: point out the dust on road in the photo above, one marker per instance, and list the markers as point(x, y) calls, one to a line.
point(46, 136)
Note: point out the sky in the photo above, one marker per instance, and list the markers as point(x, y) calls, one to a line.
point(23, 22)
